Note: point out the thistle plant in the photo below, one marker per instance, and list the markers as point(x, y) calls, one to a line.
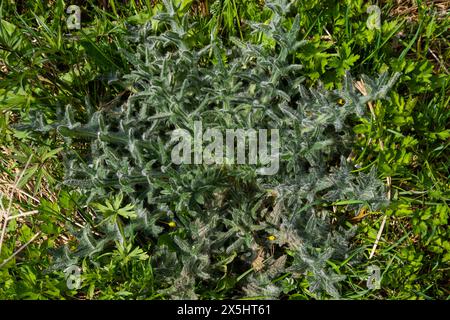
point(221, 225)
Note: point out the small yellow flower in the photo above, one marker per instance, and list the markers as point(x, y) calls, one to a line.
point(172, 224)
point(341, 102)
point(271, 238)
point(273, 193)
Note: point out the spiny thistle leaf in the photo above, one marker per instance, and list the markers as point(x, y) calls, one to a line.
point(223, 210)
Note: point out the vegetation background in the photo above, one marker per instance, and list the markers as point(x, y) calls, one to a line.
point(44, 66)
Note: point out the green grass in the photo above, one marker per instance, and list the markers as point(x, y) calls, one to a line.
point(44, 69)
